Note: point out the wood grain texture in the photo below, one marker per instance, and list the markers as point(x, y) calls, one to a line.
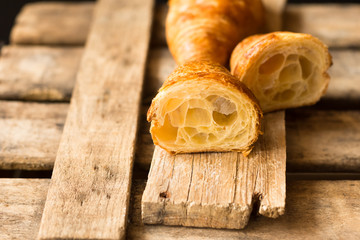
point(21, 205)
point(38, 73)
point(48, 74)
point(336, 24)
point(30, 134)
point(53, 23)
point(90, 187)
point(314, 210)
point(331, 139)
point(218, 190)
point(345, 81)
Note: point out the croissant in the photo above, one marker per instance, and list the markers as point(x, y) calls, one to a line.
point(201, 107)
point(210, 29)
point(282, 69)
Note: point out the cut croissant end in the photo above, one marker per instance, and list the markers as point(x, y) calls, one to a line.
point(203, 108)
point(282, 69)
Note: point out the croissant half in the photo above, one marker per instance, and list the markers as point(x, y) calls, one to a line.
point(282, 69)
point(201, 108)
point(210, 29)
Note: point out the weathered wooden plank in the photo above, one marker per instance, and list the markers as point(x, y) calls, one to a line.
point(314, 210)
point(38, 73)
point(35, 23)
point(90, 187)
point(41, 73)
point(30, 134)
point(345, 75)
point(21, 205)
point(217, 190)
point(53, 23)
point(331, 139)
point(336, 24)
point(310, 137)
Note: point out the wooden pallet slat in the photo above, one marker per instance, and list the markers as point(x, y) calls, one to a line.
point(53, 76)
point(38, 73)
point(315, 209)
point(30, 134)
point(217, 190)
point(345, 82)
point(53, 23)
point(89, 192)
point(336, 24)
point(329, 138)
point(21, 205)
point(30, 147)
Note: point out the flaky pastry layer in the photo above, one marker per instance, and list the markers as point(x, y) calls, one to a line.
point(210, 29)
point(282, 69)
point(202, 108)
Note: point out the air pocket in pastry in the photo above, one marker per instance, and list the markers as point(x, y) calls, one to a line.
point(201, 107)
point(282, 69)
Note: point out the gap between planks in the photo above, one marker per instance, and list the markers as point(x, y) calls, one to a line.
point(315, 209)
point(90, 186)
point(218, 190)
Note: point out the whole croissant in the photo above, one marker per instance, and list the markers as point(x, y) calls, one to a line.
point(282, 69)
point(201, 107)
point(210, 29)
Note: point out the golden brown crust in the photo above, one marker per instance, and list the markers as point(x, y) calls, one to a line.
point(251, 52)
point(205, 74)
point(210, 29)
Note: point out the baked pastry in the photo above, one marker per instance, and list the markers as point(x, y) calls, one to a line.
point(210, 29)
point(201, 107)
point(282, 69)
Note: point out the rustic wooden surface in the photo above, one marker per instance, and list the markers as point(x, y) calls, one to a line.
point(90, 186)
point(315, 210)
point(345, 81)
point(218, 190)
point(21, 205)
point(321, 136)
point(336, 24)
point(30, 134)
point(26, 143)
point(53, 75)
point(53, 23)
point(38, 73)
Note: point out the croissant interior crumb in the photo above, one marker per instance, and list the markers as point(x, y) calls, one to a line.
point(287, 77)
point(203, 120)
